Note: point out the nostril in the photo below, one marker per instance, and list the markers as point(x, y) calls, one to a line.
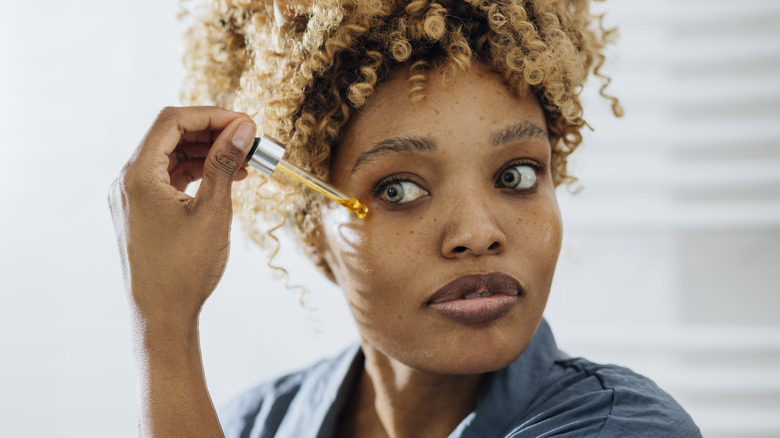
point(493, 246)
point(459, 249)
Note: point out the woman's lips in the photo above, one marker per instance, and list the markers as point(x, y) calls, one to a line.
point(476, 298)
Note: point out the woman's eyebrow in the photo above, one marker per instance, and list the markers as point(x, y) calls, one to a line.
point(395, 144)
point(517, 132)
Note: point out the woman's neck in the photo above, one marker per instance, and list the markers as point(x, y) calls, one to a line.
point(394, 400)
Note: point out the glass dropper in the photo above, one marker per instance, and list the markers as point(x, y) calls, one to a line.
point(266, 156)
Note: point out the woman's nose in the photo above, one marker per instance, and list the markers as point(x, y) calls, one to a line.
point(472, 229)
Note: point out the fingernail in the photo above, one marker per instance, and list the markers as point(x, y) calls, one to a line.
point(244, 135)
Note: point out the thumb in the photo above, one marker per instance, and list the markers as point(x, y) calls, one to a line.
point(227, 155)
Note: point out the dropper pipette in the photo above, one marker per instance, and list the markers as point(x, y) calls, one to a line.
point(266, 156)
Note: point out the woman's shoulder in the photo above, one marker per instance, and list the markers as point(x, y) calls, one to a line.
point(606, 401)
point(545, 392)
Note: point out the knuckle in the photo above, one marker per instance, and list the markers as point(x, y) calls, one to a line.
point(226, 162)
point(166, 114)
point(118, 194)
point(128, 182)
point(189, 176)
point(132, 181)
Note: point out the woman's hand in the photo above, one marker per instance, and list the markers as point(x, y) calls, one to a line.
point(174, 249)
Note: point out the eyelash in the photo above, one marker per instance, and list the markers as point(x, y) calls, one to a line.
point(538, 169)
point(381, 185)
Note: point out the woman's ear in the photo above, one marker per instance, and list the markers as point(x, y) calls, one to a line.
point(317, 250)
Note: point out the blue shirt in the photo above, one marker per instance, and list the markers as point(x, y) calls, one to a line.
point(544, 393)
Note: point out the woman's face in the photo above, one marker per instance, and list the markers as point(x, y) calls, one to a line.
point(450, 271)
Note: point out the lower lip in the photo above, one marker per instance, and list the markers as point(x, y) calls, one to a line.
point(476, 310)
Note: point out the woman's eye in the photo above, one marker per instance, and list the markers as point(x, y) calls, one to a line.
point(517, 177)
point(401, 192)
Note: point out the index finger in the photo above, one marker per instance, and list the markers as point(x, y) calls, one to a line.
point(172, 124)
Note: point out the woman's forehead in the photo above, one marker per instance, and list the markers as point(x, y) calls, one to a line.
point(475, 103)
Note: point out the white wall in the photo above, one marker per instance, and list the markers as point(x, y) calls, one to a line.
point(669, 263)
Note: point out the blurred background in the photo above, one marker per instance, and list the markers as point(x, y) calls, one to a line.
point(671, 258)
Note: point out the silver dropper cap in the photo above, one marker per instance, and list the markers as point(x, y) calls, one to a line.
point(265, 154)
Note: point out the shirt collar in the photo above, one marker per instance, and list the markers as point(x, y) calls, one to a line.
point(509, 392)
point(505, 393)
point(323, 394)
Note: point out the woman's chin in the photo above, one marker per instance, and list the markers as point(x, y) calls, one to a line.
point(468, 364)
point(466, 358)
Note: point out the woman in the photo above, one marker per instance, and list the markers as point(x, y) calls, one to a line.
point(452, 121)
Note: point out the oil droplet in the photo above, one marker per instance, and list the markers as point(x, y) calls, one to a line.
point(356, 207)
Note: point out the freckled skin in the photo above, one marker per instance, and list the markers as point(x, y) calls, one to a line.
point(391, 263)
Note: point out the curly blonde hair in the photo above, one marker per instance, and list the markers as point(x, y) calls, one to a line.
point(309, 77)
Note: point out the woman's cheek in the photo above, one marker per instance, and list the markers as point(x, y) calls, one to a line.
point(549, 224)
point(346, 241)
point(550, 236)
point(553, 234)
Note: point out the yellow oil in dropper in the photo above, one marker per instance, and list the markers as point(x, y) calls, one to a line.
point(266, 156)
point(326, 189)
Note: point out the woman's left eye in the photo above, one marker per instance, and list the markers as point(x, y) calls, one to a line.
point(400, 191)
point(519, 177)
